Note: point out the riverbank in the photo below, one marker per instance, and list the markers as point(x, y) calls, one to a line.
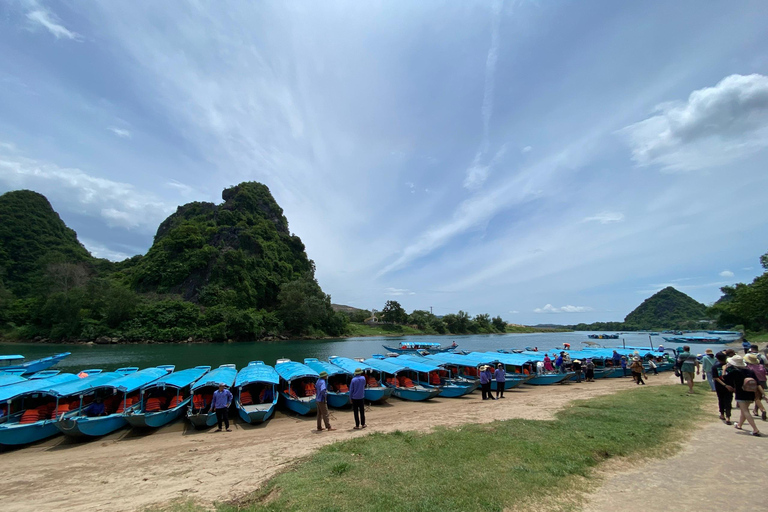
point(130, 469)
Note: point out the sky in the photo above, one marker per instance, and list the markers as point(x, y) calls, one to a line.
point(548, 162)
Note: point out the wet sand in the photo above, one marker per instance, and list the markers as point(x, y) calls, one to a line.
point(132, 469)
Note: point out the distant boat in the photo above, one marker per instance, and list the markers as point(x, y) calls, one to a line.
point(119, 396)
point(712, 340)
point(653, 334)
point(165, 399)
point(725, 333)
point(338, 381)
point(14, 362)
point(603, 336)
point(375, 391)
point(421, 347)
point(198, 412)
point(255, 392)
point(297, 386)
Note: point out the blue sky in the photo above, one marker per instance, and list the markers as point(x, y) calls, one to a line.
point(549, 162)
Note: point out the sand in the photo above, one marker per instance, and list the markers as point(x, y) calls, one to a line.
point(131, 469)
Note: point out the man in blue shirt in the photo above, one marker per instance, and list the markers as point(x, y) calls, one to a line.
point(222, 399)
point(485, 383)
point(321, 398)
point(96, 408)
point(501, 377)
point(357, 395)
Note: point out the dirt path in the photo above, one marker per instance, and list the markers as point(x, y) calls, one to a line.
point(718, 468)
point(129, 470)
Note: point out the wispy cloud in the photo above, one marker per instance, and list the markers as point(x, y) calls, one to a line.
point(526, 149)
point(396, 292)
point(120, 132)
point(726, 273)
point(606, 217)
point(43, 17)
point(549, 308)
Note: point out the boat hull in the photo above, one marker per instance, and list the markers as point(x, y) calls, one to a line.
point(303, 407)
point(156, 419)
point(338, 399)
point(419, 350)
point(202, 420)
point(15, 434)
point(603, 373)
point(415, 395)
point(255, 414)
point(378, 394)
point(549, 379)
point(454, 390)
point(83, 426)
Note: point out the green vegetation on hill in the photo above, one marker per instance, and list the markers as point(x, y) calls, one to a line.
point(745, 305)
point(667, 308)
point(214, 272)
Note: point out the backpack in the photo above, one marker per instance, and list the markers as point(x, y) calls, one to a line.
point(759, 371)
point(749, 385)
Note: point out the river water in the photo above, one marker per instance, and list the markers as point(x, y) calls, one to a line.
point(110, 357)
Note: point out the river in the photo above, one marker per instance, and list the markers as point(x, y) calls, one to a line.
point(186, 355)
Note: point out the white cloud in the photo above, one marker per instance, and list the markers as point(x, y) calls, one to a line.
point(726, 273)
point(398, 291)
point(565, 309)
point(49, 21)
point(120, 204)
point(476, 176)
point(606, 217)
point(514, 312)
point(715, 126)
point(102, 251)
point(120, 132)
point(526, 149)
point(184, 189)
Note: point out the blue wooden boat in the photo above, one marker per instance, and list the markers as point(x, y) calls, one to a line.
point(420, 347)
point(709, 340)
point(165, 399)
point(401, 379)
point(120, 396)
point(375, 391)
point(255, 392)
point(14, 362)
point(338, 381)
point(432, 373)
point(518, 364)
point(8, 378)
point(725, 333)
point(25, 406)
point(198, 412)
point(56, 399)
point(468, 366)
point(297, 386)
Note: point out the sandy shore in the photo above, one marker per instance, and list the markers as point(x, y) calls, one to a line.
point(130, 469)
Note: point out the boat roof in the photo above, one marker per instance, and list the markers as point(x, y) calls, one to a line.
point(290, 370)
point(349, 364)
point(181, 378)
point(417, 343)
point(224, 373)
point(134, 381)
point(475, 359)
point(418, 363)
point(323, 366)
point(516, 359)
point(6, 379)
point(385, 365)
point(82, 384)
point(33, 386)
point(257, 371)
point(14, 357)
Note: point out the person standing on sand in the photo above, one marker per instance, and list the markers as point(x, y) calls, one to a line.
point(485, 383)
point(559, 366)
point(321, 398)
point(753, 363)
point(501, 378)
point(688, 365)
point(638, 371)
point(745, 345)
point(737, 378)
point(576, 367)
point(724, 396)
point(589, 374)
point(623, 363)
point(548, 363)
point(652, 365)
point(707, 362)
point(357, 395)
point(222, 399)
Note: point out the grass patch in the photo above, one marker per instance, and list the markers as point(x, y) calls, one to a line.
point(355, 329)
point(504, 465)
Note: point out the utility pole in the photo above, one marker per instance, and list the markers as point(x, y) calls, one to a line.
point(430, 310)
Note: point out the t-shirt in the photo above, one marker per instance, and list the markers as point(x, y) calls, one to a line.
point(688, 361)
point(735, 377)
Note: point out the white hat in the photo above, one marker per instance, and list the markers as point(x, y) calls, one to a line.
point(737, 361)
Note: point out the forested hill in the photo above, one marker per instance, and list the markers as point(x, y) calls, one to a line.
point(214, 272)
point(668, 308)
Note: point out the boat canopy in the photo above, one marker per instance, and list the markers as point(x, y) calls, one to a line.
point(418, 363)
point(290, 370)
point(134, 381)
point(33, 386)
point(418, 344)
point(225, 373)
point(257, 371)
point(181, 379)
point(80, 385)
point(11, 358)
point(6, 379)
point(385, 365)
point(514, 359)
point(322, 366)
point(474, 359)
point(348, 364)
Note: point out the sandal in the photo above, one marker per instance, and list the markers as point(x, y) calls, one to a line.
point(728, 422)
point(738, 427)
point(757, 434)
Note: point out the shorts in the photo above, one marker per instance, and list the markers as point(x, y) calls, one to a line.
point(761, 384)
point(688, 375)
point(744, 401)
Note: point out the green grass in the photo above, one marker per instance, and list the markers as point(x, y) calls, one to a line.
point(355, 329)
point(758, 337)
point(527, 329)
point(503, 465)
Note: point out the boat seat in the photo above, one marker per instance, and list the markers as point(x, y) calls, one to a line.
point(33, 415)
point(129, 401)
point(154, 404)
point(342, 388)
point(405, 382)
point(245, 398)
point(176, 401)
point(372, 382)
point(61, 409)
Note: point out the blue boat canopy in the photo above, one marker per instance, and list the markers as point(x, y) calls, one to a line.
point(6, 379)
point(224, 373)
point(257, 371)
point(292, 370)
point(384, 365)
point(419, 344)
point(80, 385)
point(348, 364)
point(134, 381)
point(33, 386)
point(417, 363)
point(476, 359)
point(15, 357)
point(513, 359)
point(322, 366)
point(180, 379)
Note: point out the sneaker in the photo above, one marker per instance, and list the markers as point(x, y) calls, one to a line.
point(356, 427)
point(330, 428)
point(728, 422)
point(757, 434)
point(229, 430)
point(217, 430)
